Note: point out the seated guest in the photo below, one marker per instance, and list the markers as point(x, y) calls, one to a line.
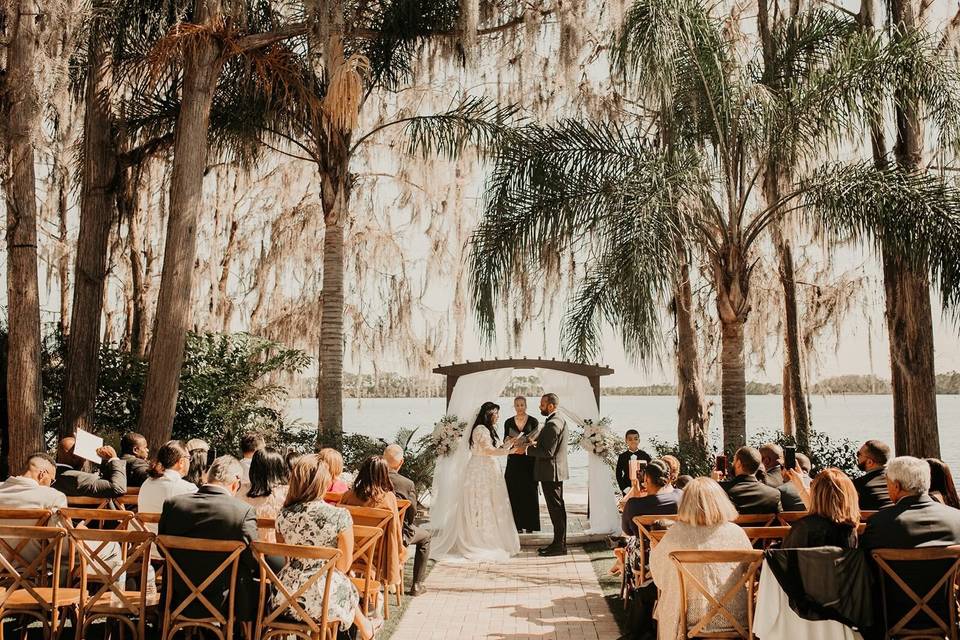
point(110, 482)
point(31, 490)
point(834, 514)
point(872, 485)
point(412, 534)
point(166, 479)
point(913, 520)
point(682, 482)
point(790, 498)
point(372, 488)
point(334, 462)
point(307, 520)
point(633, 452)
point(249, 443)
point(704, 522)
point(214, 513)
point(747, 493)
point(661, 499)
point(268, 483)
point(942, 488)
point(674, 465)
point(199, 452)
point(291, 459)
point(771, 454)
point(134, 453)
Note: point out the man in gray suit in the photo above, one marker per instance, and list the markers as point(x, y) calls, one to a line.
point(550, 469)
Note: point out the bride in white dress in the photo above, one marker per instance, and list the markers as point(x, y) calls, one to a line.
point(480, 526)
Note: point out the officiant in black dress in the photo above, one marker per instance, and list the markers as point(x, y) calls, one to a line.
point(521, 485)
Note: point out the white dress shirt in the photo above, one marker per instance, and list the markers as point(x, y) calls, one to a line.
point(245, 465)
point(156, 491)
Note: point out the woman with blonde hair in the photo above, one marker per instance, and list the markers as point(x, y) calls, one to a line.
point(704, 521)
point(307, 520)
point(334, 461)
point(834, 514)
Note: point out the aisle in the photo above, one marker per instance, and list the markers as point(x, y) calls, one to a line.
point(528, 597)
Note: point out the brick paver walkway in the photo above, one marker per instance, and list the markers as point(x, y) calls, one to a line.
point(525, 598)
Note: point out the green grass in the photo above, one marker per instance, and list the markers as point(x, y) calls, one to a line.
point(601, 559)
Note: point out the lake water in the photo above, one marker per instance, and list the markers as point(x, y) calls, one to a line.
point(848, 416)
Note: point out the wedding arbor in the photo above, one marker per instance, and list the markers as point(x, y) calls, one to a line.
point(577, 384)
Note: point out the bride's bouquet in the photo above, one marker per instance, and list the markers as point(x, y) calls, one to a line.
point(447, 434)
point(599, 440)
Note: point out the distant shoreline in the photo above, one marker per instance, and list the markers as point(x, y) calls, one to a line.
point(617, 395)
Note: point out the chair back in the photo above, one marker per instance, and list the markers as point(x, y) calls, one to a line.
point(332, 497)
point(128, 501)
point(74, 518)
point(365, 543)
point(110, 588)
point(369, 516)
point(866, 515)
point(905, 574)
point(266, 526)
point(763, 537)
point(756, 519)
point(144, 519)
point(86, 502)
point(275, 619)
point(648, 537)
point(717, 604)
point(17, 550)
point(175, 551)
point(27, 575)
point(789, 517)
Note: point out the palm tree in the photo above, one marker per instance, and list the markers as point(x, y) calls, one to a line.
point(367, 52)
point(617, 194)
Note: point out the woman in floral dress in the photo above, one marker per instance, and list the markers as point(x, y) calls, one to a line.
point(307, 520)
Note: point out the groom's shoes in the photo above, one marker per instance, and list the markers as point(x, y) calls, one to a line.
point(550, 551)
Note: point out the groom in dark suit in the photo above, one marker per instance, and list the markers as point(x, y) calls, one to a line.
point(550, 469)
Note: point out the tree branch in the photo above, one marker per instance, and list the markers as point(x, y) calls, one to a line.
point(146, 150)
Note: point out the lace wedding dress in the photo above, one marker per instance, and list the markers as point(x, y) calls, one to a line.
point(482, 528)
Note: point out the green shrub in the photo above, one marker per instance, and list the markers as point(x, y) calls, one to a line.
point(694, 460)
point(824, 451)
point(222, 389)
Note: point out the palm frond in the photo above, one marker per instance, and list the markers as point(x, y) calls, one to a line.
point(472, 122)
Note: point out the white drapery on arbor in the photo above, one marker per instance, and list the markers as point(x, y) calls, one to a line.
point(578, 403)
point(471, 391)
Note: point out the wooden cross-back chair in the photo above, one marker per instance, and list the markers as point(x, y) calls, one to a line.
point(690, 585)
point(214, 620)
point(128, 501)
point(288, 617)
point(648, 540)
point(72, 519)
point(756, 519)
point(381, 519)
point(111, 599)
point(21, 518)
point(402, 506)
point(763, 537)
point(25, 591)
point(267, 529)
point(365, 543)
point(920, 605)
point(866, 515)
point(332, 497)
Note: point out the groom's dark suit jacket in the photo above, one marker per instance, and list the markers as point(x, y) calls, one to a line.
point(551, 451)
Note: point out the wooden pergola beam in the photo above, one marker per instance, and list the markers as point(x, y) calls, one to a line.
point(592, 372)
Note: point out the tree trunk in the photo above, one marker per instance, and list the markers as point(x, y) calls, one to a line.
point(794, 393)
point(23, 296)
point(731, 281)
point(201, 71)
point(97, 212)
point(335, 198)
point(63, 259)
point(129, 210)
point(907, 288)
point(693, 413)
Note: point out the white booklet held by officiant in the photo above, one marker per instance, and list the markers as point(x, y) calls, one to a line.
point(523, 440)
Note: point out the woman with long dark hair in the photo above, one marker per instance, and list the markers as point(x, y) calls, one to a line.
point(372, 488)
point(521, 485)
point(482, 527)
point(268, 483)
point(942, 487)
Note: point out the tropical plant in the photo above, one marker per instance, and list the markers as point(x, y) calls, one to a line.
point(823, 451)
point(690, 168)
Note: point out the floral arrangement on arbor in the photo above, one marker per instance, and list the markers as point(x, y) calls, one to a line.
point(600, 440)
point(447, 434)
